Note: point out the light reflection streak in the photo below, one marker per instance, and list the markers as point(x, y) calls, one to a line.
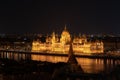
point(87, 64)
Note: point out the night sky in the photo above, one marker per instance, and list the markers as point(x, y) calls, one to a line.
point(89, 17)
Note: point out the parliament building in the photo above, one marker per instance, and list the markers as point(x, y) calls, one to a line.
point(56, 44)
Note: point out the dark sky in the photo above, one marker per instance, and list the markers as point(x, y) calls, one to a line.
point(30, 16)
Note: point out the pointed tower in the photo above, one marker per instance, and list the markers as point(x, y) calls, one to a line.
point(53, 37)
point(71, 56)
point(65, 28)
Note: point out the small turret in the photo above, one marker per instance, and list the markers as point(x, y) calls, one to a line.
point(65, 28)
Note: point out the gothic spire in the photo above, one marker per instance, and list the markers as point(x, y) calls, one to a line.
point(65, 27)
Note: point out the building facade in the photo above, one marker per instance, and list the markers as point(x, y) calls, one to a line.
point(55, 44)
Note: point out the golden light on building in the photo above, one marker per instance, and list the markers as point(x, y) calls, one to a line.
point(54, 44)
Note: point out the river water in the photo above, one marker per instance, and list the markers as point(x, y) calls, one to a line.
point(88, 65)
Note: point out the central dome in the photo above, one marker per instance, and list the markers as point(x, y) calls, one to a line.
point(65, 36)
point(65, 32)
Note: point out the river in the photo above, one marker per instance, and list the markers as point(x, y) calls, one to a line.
point(89, 65)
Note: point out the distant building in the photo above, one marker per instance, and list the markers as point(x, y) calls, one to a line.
point(61, 44)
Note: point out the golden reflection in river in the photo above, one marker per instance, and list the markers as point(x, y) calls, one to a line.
point(91, 65)
point(53, 59)
point(87, 64)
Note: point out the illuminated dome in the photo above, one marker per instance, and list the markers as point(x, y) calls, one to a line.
point(65, 36)
point(65, 32)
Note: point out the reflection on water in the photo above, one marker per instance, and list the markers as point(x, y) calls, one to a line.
point(88, 65)
point(97, 65)
point(53, 59)
point(91, 65)
point(15, 56)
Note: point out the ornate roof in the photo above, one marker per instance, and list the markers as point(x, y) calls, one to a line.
point(65, 32)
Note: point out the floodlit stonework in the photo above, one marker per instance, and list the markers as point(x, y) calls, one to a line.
point(54, 44)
